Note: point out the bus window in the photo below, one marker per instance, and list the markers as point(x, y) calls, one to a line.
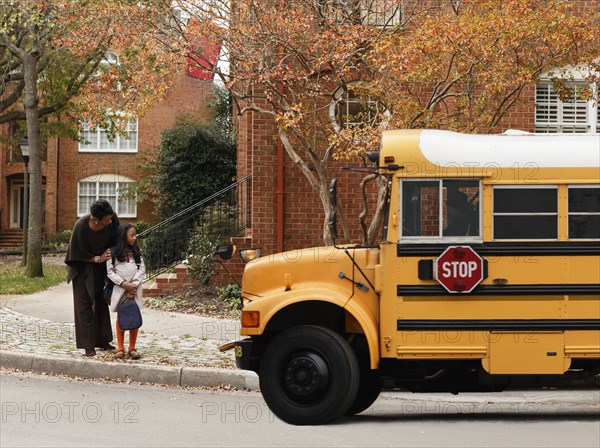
point(458, 215)
point(462, 208)
point(525, 213)
point(584, 212)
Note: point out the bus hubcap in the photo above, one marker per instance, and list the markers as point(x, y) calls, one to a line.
point(305, 374)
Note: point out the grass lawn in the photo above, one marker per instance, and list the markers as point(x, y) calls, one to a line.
point(13, 280)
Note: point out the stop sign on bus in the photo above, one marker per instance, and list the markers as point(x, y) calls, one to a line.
point(459, 269)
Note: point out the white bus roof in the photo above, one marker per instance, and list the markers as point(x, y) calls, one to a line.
point(446, 148)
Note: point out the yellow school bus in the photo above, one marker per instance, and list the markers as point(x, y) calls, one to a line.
point(487, 277)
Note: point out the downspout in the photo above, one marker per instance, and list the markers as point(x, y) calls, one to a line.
point(279, 194)
point(280, 171)
point(57, 192)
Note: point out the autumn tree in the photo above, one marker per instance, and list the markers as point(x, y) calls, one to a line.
point(52, 62)
point(287, 60)
point(453, 64)
point(464, 67)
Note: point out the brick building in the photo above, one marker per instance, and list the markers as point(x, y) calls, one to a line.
point(75, 174)
point(287, 214)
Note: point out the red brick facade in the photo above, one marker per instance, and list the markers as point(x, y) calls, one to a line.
point(303, 215)
point(65, 165)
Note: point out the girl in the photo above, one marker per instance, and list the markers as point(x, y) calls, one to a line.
point(127, 273)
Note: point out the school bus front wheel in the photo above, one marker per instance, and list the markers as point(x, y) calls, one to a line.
point(309, 375)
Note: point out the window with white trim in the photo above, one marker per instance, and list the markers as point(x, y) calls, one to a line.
point(584, 212)
point(100, 139)
point(576, 114)
point(354, 107)
point(106, 187)
point(526, 213)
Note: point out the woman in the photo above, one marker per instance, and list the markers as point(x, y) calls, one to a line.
point(127, 273)
point(93, 235)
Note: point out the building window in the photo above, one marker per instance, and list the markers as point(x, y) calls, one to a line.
point(522, 213)
point(440, 209)
point(584, 212)
point(116, 192)
point(377, 13)
point(354, 107)
point(381, 13)
point(179, 18)
point(578, 113)
point(100, 140)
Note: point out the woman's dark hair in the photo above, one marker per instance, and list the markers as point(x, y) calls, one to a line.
point(101, 208)
point(123, 247)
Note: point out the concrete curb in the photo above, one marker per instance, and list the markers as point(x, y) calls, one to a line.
point(241, 379)
point(148, 373)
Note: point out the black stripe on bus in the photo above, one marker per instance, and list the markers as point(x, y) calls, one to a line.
point(506, 290)
point(500, 324)
point(505, 248)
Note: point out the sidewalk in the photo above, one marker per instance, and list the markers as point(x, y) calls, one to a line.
point(37, 333)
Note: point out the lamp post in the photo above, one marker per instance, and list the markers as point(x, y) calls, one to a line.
point(24, 144)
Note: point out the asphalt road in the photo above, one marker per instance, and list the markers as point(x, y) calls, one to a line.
point(39, 410)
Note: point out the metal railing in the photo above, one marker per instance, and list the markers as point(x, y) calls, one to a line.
point(223, 214)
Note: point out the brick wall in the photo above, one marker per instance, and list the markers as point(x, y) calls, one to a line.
point(303, 212)
point(188, 96)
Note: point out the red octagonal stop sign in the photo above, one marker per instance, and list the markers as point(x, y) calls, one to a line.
point(458, 269)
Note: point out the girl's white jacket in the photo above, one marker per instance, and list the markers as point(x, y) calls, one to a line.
point(129, 272)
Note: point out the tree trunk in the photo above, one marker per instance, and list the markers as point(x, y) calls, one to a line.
point(34, 240)
point(319, 183)
point(324, 196)
point(380, 207)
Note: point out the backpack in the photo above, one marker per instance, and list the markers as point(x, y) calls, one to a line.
point(130, 317)
point(108, 283)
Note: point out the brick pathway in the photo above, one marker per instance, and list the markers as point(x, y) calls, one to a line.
point(22, 333)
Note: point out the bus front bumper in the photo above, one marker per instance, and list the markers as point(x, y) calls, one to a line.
point(242, 350)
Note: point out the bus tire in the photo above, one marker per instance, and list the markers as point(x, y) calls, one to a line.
point(309, 375)
point(368, 391)
point(371, 382)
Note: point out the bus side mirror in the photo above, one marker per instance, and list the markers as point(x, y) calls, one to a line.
point(332, 223)
point(224, 251)
point(332, 218)
point(333, 193)
point(373, 157)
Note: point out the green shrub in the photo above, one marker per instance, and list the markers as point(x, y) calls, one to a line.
point(57, 241)
point(141, 226)
point(217, 225)
point(193, 162)
point(61, 237)
point(164, 246)
point(200, 261)
point(232, 295)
